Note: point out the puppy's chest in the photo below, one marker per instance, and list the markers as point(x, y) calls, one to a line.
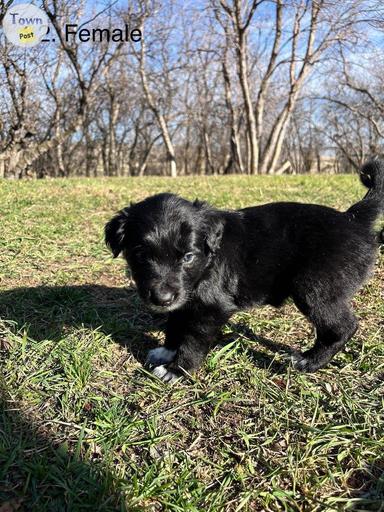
point(218, 295)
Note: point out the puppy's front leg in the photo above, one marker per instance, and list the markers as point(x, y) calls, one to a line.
point(189, 336)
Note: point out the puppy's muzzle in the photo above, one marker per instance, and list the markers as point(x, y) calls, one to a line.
point(163, 296)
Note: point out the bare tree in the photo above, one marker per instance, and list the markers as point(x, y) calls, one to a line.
point(236, 159)
point(155, 99)
point(241, 14)
point(316, 27)
point(215, 87)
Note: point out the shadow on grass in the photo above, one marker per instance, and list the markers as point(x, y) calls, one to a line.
point(49, 311)
point(38, 475)
point(37, 472)
point(262, 359)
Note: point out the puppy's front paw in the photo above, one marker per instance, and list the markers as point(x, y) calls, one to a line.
point(160, 356)
point(164, 374)
point(304, 363)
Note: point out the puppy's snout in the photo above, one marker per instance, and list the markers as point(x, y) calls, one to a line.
point(162, 296)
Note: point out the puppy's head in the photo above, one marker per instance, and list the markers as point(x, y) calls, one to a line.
point(169, 243)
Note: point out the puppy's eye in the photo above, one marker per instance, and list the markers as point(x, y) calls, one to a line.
point(188, 257)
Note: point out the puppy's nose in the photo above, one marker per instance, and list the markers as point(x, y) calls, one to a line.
point(162, 296)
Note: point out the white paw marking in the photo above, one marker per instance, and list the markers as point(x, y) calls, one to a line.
point(159, 356)
point(299, 362)
point(163, 374)
point(159, 371)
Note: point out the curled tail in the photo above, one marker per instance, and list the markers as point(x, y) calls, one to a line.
point(372, 176)
point(372, 205)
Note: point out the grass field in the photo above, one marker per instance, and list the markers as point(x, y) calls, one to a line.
point(84, 427)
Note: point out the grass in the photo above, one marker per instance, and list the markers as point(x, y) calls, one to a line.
point(84, 427)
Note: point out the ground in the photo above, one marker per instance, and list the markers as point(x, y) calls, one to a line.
point(83, 426)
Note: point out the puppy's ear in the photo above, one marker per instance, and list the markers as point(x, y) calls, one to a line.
point(116, 232)
point(200, 205)
point(215, 232)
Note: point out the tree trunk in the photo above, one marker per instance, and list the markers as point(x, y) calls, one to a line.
point(235, 159)
point(112, 154)
point(251, 121)
point(157, 113)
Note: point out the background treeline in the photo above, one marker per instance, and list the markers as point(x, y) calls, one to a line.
point(215, 87)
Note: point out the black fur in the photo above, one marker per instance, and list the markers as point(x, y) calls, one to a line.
point(259, 255)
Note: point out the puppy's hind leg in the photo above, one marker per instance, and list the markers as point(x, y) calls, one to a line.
point(335, 325)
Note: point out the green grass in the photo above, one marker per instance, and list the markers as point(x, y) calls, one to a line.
point(84, 427)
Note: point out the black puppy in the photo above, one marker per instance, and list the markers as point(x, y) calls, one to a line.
point(201, 265)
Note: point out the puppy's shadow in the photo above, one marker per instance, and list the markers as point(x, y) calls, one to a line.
point(263, 359)
point(49, 312)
